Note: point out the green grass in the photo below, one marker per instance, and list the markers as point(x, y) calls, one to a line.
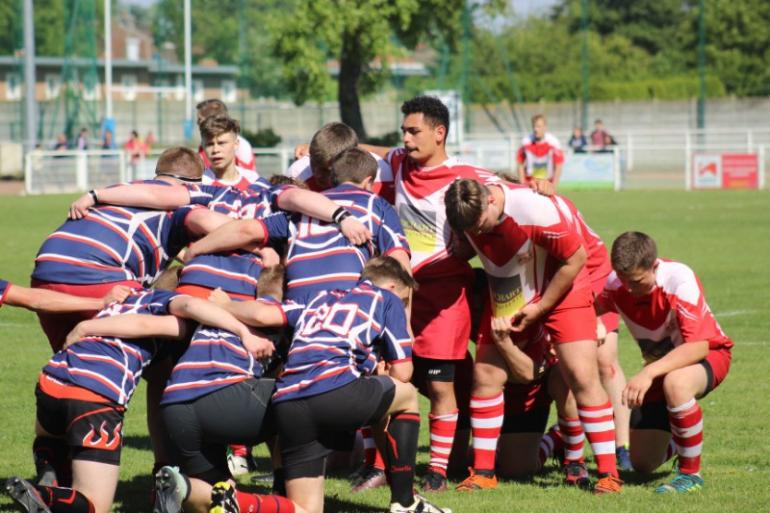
point(723, 235)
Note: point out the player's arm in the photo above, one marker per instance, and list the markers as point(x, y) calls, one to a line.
point(380, 151)
point(128, 326)
point(559, 285)
point(232, 235)
point(210, 314)
point(202, 221)
point(158, 197)
point(521, 367)
point(401, 371)
point(320, 207)
point(258, 313)
point(50, 301)
point(557, 174)
point(684, 355)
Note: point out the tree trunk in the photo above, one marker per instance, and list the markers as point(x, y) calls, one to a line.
point(351, 66)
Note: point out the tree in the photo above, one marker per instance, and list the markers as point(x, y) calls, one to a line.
point(361, 36)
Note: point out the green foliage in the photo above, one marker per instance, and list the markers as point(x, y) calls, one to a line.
point(264, 138)
point(390, 139)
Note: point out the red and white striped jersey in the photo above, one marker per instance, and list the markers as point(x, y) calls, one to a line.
point(420, 205)
point(382, 186)
point(523, 252)
point(673, 313)
point(540, 157)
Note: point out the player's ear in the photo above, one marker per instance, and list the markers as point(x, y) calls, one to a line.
point(440, 134)
point(367, 183)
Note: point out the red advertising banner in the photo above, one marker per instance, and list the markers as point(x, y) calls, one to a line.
point(725, 171)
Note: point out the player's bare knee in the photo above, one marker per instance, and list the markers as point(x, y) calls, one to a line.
point(677, 387)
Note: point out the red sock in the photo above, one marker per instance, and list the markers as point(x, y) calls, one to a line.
point(574, 439)
point(687, 431)
point(551, 442)
point(442, 436)
point(372, 455)
point(486, 422)
point(239, 450)
point(599, 425)
point(253, 503)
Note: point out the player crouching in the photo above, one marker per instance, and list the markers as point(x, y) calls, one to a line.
point(686, 353)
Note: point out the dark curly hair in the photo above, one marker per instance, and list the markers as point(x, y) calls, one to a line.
point(434, 111)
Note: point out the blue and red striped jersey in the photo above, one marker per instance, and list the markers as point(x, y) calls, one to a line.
point(321, 258)
point(110, 366)
point(4, 288)
point(339, 336)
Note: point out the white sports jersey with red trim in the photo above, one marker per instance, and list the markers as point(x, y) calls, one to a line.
point(540, 156)
point(245, 163)
point(382, 186)
point(523, 252)
point(420, 205)
point(598, 263)
point(675, 312)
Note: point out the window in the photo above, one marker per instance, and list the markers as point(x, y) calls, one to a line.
point(198, 92)
point(12, 86)
point(229, 92)
point(52, 85)
point(133, 46)
point(128, 85)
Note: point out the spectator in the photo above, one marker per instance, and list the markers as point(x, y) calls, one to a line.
point(136, 149)
point(600, 137)
point(108, 143)
point(149, 140)
point(578, 141)
point(82, 142)
point(61, 142)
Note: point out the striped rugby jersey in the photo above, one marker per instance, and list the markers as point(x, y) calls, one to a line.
point(109, 366)
point(321, 258)
point(420, 206)
point(523, 252)
point(339, 337)
point(4, 288)
point(112, 244)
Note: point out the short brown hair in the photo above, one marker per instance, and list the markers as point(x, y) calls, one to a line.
point(286, 180)
point(217, 125)
point(379, 269)
point(353, 165)
point(211, 107)
point(537, 117)
point(270, 282)
point(328, 142)
point(633, 250)
point(465, 200)
point(180, 161)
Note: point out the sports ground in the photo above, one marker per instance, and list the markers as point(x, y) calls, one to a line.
point(723, 235)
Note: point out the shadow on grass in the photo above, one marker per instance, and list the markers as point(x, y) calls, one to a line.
point(140, 442)
point(134, 496)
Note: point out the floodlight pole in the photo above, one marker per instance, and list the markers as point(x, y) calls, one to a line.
point(108, 58)
point(188, 122)
point(30, 102)
point(584, 61)
point(701, 117)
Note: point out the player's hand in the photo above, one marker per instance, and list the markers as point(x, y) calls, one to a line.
point(219, 297)
point(74, 336)
point(542, 187)
point(301, 150)
point(187, 254)
point(269, 256)
point(118, 293)
point(601, 331)
point(80, 206)
point(501, 330)
point(355, 231)
point(636, 388)
point(259, 346)
point(526, 317)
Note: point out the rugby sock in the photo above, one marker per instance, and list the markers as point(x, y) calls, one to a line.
point(253, 503)
point(486, 423)
point(402, 435)
point(240, 450)
point(599, 425)
point(52, 456)
point(687, 431)
point(442, 435)
point(574, 439)
point(372, 456)
point(551, 443)
point(64, 500)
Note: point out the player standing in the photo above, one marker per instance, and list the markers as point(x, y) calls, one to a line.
point(540, 156)
point(245, 162)
point(686, 352)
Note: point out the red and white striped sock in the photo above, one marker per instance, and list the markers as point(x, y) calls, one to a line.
point(687, 431)
point(599, 425)
point(442, 436)
point(486, 422)
point(574, 439)
point(551, 442)
point(372, 457)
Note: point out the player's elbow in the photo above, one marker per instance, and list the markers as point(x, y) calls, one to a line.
point(401, 371)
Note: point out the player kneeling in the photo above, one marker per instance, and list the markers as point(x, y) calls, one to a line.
point(327, 389)
point(686, 353)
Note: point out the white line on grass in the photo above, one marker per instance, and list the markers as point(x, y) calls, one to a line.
point(733, 313)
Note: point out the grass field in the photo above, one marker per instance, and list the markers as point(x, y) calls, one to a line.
point(724, 236)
